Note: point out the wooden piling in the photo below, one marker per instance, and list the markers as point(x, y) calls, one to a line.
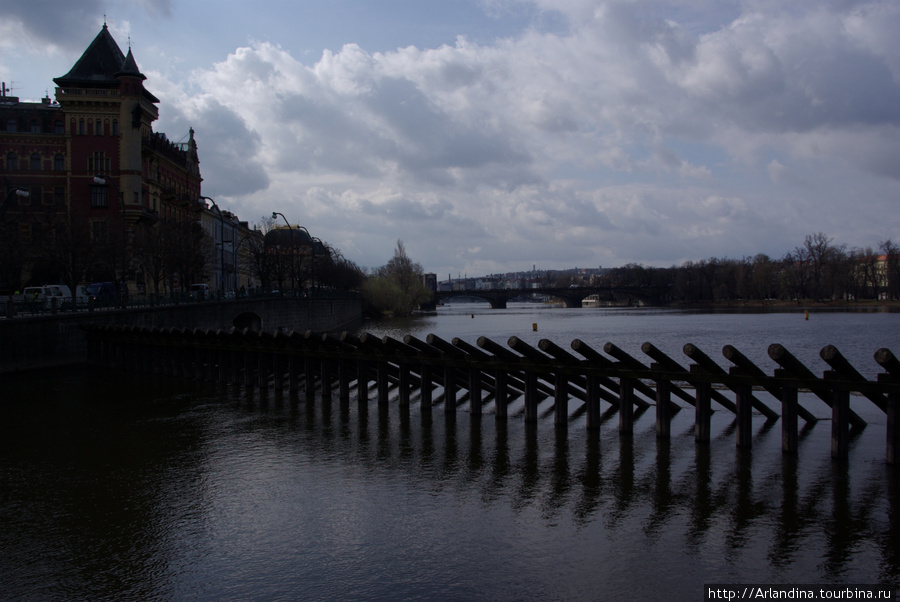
point(694, 352)
point(843, 369)
point(840, 418)
point(629, 363)
point(426, 398)
point(450, 390)
point(740, 360)
point(561, 400)
point(702, 407)
point(594, 358)
point(362, 383)
point(663, 409)
point(626, 405)
point(796, 368)
point(892, 450)
point(531, 398)
point(789, 412)
point(501, 396)
point(743, 401)
point(592, 403)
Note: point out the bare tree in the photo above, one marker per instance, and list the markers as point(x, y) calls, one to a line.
point(71, 251)
point(891, 268)
point(398, 287)
point(150, 248)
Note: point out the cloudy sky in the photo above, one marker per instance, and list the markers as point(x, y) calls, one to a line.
point(493, 135)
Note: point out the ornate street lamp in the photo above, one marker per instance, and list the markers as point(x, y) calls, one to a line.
point(22, 193)
point(275, 215)
point(102, 180)
point(221, 243)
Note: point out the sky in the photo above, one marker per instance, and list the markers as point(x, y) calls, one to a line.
point(499, 135)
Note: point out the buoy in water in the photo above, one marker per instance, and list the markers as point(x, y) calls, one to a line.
point(534, 326)
point(806, 314)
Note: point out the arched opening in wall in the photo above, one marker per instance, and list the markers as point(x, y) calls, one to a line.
point(248, 320)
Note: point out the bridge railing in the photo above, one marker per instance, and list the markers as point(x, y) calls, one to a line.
point(16, 306)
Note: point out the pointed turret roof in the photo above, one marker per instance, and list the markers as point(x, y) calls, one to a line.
point(129, 67)
point(100, 64)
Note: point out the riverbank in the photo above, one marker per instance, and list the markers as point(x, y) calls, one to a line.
point(797, 303)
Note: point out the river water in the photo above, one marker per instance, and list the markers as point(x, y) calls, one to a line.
point(118, 486)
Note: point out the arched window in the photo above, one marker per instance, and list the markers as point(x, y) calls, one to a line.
point(115, 127)
point(12, 162)
point(59, 162)
point(35, 163)
point(81, 126)
point(99, 130)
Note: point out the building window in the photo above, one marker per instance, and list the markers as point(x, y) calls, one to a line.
point(99, 232)
point(35, 126)
point(98, 163)
point(35, 164)
point(99, 130)
point(59, 162)
point(11, 125)
point(115, 128)
point(12, 162)
point(59, 127)
point(37, 234)
point(36, 193)
point(81, 127)
point(99, 196)
point(59, 195)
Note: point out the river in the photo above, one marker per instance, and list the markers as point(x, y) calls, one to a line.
point(123, 486)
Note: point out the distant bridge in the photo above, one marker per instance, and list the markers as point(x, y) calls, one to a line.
point(570, 296)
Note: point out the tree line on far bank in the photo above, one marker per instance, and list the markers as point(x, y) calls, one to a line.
point(816, 270)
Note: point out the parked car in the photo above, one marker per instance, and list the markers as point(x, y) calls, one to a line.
point(102, 292)
point(199, 292)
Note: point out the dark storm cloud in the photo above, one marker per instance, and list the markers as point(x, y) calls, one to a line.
point(229, 152)
point(58, 22)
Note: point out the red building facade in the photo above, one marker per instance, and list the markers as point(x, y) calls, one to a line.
point(90, 161)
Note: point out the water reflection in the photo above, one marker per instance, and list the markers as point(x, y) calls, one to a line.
point(757, 502)
point(218, 491)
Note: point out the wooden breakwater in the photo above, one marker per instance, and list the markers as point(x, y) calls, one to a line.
point(448, 372)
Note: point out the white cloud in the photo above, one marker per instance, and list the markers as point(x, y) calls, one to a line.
point(489, 130)
point(652, 131)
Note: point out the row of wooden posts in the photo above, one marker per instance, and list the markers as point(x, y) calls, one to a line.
point(490, 371)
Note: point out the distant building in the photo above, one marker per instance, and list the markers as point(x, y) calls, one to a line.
point(233, 250)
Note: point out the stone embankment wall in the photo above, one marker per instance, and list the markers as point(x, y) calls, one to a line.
point(33, 342)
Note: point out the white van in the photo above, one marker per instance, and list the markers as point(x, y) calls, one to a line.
point(44, 295)
point(63, 294)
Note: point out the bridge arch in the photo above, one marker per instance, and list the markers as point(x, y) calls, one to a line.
point(249, 320)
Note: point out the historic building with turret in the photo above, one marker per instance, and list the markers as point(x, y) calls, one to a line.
point(87, 171)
